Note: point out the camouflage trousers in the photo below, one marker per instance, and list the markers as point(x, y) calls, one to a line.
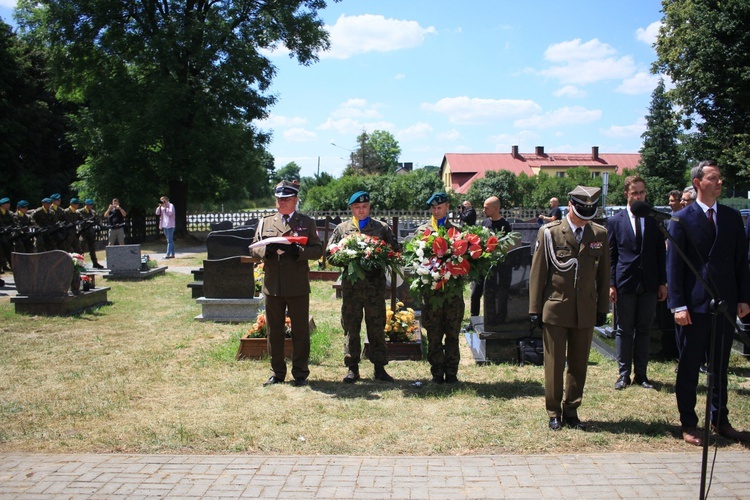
point(369, 298)
point(443, 325)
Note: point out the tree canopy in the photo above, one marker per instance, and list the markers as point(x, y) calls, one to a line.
point(663, 165)
point(376, 153)
point(168, 89)
point(704, 47)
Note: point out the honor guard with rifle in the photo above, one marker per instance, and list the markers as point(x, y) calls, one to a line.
point(6, 229)
point(89, 229)
point(23, 228)
point(72, 218)
point(44, 217)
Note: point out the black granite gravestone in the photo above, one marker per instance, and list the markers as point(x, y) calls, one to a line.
point(221, 226)
point(44, 274)
point(228, 279)
point(230, 242)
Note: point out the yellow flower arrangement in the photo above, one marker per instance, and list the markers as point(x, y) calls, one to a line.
point(400, 325)
point(259, 329)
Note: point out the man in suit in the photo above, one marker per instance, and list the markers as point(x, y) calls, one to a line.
point(712, 238)
point(568, 296)
point(286, 284)
point(638, 278)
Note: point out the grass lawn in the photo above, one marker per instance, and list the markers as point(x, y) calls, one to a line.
point(142, 375)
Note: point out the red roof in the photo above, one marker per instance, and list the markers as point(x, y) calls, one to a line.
point(465, 168)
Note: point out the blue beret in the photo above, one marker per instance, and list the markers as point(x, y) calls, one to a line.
point(437, 199)
point(89, 201)
point(74, 201)
point(359, 197)
point(22, 203)
point(46, 200)
point(55, 196)
point(4, 201)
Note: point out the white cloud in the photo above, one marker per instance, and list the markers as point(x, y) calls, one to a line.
point(274, 121)
point(349, 127)
point(574, 50)
point(640, 83)
point(648, 35)
point(569, 91)
point(589, 62)
point(419, 130)
point(299, 135)
point(576, 115)
point(624, 131)
point(352, 35)
point(400, 76)
point(466, 110)
point(451, 135)
point(356, 109)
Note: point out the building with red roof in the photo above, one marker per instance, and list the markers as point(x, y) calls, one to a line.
point(459, 170)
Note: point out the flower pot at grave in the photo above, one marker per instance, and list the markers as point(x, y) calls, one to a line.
point(400, 351)
point(75, 282)
point(258, 348)
point(86, 286)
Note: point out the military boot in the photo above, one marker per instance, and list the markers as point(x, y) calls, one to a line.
point(381, 374)
point(353, 374)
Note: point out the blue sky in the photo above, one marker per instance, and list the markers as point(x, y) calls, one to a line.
point(476, 76)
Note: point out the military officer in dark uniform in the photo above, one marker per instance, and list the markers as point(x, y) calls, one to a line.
point(44, 217)
point(89, 228)
point(286, 285)
point(366, 295)
point(24, 226)
point(58, 235)
point(568, 296)
point(71, 217)
point(6, 232)
point(443, 324)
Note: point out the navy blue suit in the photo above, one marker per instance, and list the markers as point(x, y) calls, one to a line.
point(636, 273)
point(721, 260)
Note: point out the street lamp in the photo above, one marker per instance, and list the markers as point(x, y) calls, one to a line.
point(352, 154)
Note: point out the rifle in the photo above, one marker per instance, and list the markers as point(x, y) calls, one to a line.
point(88, 224)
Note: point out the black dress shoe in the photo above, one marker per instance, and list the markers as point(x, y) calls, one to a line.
point(555, 423)
point(300, 382)
point(643, 382)
point(703, 368)
point(98, 266)
point(438, 379)
point(273, 380)
point(622, 382)
point(575, 423)
point(451, 379)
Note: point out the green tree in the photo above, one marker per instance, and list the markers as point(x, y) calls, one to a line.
point(662, 165)
point(36, 157)
point(289, 172)
point(168, 89)
point(387, 149)
point(704, 46)
point(503, 184)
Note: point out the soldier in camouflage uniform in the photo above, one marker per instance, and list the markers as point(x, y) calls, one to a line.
point(445, 321)
point(6, 229)
point(89, 230)
point(23, 225)
point(71, 217)
point(366, 295)
point(45, 218)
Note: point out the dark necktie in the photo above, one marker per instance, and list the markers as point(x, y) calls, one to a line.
point(286, 219)
point(638, 233)
point(710, 215)
point(579, 234)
